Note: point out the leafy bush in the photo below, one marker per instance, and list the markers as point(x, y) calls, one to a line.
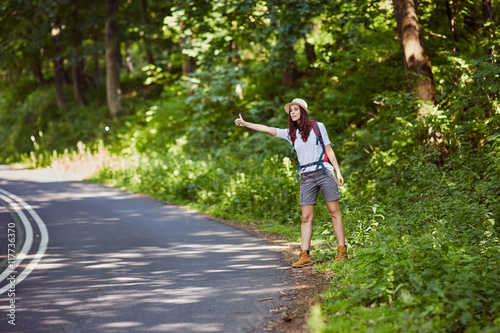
point(33, 127)
point(222, 185)
point(421, 219)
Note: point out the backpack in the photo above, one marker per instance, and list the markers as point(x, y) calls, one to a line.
point(323, 157)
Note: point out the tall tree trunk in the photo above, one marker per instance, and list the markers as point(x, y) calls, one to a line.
point(97, 68)
point(451, 17)
point(310, 54)
point(287, 76)
point(487, 13)
point(416, 62)
point(75, 66)
point(67, 79)
point(112, 59)
point(58, 66)
point(96, 36)
point(145, 21)
point(287, 56)
point(37, 68)
point(188, 65)
point(77, 82)
point(287, 67)
point(487, 16)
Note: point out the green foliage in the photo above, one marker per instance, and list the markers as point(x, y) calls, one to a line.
point(33, 126)
point(425, 240)
point(220, 184)
point(427, 247)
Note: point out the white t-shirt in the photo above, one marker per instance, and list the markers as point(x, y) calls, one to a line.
point(309, 151)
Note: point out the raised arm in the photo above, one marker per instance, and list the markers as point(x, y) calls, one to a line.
point(256, 127)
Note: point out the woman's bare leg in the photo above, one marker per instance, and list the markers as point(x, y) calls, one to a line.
point(338, 223)
point(306, 227)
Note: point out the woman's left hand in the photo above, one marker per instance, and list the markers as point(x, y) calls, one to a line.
point(340, 179)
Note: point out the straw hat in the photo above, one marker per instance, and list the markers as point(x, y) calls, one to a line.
point(297, 101)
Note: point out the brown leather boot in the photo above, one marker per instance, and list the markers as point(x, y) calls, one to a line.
point(304, 260)
point(341, 253)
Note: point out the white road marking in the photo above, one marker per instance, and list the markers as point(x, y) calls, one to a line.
point(20, 255)
point(15, 202)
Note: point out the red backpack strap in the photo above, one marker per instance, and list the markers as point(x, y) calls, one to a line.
point(319, 137)
point(316, 129)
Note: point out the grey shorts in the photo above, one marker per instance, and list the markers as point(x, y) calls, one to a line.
point(313, 181)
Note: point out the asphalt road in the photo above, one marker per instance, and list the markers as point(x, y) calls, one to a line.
point(97, 259)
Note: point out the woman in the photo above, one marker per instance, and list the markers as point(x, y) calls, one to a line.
point(316, 174)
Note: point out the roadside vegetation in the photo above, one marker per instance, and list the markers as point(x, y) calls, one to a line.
point(421, 162)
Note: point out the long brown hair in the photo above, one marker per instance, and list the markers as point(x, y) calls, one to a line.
point(304, 126)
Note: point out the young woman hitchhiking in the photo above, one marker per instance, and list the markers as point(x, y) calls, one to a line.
point(316, 173)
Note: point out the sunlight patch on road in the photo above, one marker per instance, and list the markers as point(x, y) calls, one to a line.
point(122, 324)
point(49, 266)
point(184, 295)
point(54, 321)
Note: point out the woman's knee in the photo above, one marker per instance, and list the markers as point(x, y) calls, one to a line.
point(334, 209)
point(307, 214)
point(307, 219)
point(334, 213)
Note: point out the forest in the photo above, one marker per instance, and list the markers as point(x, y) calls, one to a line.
point(144, 93)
